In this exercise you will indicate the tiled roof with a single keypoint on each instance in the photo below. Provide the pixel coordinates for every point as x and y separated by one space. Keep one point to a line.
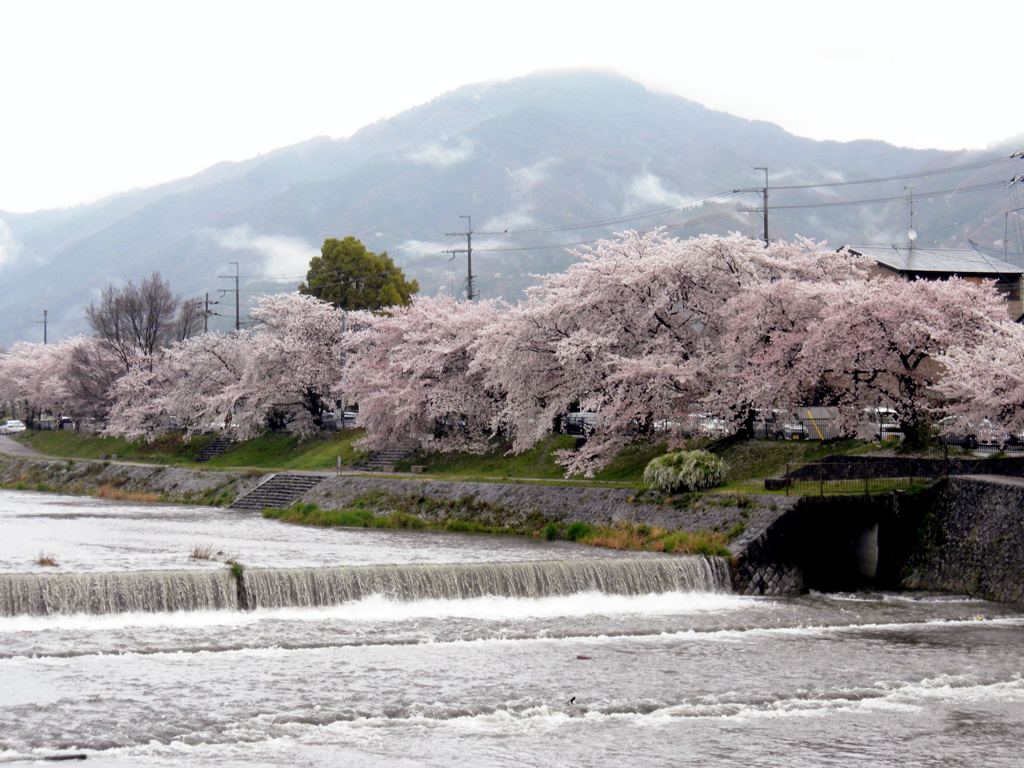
957 262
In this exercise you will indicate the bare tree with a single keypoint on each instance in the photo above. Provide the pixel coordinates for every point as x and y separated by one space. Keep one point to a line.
136 320
191 315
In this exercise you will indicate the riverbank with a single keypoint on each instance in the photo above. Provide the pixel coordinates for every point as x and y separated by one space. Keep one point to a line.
961 535
113 479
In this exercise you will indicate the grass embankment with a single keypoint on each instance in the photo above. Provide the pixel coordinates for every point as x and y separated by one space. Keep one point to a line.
749 461
622 536
269 451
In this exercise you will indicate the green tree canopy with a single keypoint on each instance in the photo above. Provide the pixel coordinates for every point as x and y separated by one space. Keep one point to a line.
351 277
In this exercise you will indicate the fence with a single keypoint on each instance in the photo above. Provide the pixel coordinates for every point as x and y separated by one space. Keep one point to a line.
881 474
818 479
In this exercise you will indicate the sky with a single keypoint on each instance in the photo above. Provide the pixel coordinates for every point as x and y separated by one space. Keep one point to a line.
102 97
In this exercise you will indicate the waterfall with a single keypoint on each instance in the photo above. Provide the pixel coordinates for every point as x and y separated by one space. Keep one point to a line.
120 592
153 591
305 587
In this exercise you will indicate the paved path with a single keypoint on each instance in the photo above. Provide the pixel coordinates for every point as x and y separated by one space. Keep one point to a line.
14 448
996 479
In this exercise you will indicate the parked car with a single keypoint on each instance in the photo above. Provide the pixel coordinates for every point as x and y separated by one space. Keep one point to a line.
952 432
580 422
879 424
792 428
11 427
1014 443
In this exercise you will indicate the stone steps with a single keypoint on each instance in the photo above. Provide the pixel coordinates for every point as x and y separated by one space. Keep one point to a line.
214 448
279 492
381 461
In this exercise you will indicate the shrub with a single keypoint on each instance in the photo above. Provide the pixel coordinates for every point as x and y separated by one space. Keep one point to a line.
578 530
550 532
685 471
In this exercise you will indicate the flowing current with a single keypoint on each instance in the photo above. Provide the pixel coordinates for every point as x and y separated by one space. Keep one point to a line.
418 649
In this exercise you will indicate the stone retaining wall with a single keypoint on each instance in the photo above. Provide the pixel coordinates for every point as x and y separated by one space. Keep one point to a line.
516 502
858 467
169 483
971 539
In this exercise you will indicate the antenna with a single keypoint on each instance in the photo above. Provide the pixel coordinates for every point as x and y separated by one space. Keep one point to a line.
912 234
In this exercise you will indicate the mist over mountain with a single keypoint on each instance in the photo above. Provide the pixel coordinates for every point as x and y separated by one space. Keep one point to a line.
540 163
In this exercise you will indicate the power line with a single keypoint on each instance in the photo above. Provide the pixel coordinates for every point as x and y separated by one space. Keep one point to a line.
904 176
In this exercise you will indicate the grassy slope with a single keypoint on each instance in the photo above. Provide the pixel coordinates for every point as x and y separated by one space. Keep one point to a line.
538 463
272 451
749 461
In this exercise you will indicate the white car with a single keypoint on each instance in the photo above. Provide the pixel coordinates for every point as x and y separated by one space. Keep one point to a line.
11 426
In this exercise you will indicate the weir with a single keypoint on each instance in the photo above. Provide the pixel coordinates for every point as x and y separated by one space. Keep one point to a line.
308 587
40 594
158 591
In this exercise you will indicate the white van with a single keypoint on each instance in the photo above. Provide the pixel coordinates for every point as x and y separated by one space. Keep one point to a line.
879 424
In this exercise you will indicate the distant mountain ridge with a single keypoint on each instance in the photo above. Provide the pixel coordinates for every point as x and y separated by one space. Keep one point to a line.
554 159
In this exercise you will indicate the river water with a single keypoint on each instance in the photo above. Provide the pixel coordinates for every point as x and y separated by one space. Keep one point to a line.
659 679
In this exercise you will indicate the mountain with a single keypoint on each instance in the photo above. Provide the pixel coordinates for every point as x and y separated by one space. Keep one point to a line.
548 160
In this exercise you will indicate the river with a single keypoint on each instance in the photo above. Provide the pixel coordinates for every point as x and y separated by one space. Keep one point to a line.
600 677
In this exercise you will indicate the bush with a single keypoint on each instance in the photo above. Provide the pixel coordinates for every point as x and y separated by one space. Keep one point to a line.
685 471
578 530
550 532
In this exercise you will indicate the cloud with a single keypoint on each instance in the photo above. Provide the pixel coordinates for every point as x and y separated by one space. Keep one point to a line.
647 190
441 156
10 250
529 176
509 220
283 258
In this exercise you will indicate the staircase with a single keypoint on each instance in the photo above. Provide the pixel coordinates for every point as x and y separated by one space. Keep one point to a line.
214 448
381 461
279 492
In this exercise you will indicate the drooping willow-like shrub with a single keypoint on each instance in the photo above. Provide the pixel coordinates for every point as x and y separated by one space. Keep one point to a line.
685 471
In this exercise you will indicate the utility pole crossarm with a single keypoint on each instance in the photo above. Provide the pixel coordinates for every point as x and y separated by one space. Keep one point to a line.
468 250
763 191
238 317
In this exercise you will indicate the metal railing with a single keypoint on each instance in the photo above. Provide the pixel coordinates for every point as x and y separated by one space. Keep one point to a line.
823 482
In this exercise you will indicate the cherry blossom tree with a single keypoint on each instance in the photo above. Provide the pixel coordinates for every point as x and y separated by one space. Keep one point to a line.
299 347
192 385
29 380
879 341
410 372
645 328
287 368
986 381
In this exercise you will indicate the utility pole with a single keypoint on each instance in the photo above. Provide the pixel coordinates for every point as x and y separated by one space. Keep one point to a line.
43 321
763 191
238 317
468 250
207 313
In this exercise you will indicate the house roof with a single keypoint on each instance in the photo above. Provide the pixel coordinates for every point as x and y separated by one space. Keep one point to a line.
950 262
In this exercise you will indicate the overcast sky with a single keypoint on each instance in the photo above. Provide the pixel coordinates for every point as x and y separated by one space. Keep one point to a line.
99 97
